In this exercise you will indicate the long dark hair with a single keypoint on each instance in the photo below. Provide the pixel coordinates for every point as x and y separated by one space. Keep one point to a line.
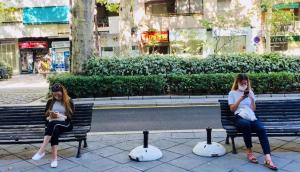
65 98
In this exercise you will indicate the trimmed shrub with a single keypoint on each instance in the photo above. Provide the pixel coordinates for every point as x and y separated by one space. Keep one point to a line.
98 86
198 84
7 67
167 65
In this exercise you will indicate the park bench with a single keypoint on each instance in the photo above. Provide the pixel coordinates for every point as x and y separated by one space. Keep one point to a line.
3 73
280 118
26 124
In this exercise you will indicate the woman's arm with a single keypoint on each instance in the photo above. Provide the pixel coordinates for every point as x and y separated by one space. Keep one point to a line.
253 105
233 107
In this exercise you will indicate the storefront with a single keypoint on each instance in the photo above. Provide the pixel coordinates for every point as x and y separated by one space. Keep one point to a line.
60 54
30 53
156 42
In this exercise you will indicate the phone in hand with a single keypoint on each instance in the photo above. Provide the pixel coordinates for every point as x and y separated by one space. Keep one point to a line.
246 93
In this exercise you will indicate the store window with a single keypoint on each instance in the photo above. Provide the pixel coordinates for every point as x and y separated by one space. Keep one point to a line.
229 44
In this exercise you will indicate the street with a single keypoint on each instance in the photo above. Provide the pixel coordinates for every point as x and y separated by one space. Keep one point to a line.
156 118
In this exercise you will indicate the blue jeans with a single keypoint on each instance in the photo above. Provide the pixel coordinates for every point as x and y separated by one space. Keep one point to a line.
247 127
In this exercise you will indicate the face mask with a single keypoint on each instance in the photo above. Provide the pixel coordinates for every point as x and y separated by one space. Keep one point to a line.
242 88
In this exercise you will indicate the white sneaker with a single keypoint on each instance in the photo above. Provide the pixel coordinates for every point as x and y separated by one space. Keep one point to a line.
38 156
53 164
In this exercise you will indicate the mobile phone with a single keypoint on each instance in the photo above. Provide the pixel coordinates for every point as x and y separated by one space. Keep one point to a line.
246 93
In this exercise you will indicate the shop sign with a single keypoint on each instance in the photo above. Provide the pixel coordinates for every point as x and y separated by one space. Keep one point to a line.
60 44
157 37
33 44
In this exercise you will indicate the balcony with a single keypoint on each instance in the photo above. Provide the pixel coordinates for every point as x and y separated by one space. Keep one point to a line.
110 25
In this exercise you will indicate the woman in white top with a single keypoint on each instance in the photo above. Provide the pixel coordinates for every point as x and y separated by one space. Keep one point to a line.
58 111
241 101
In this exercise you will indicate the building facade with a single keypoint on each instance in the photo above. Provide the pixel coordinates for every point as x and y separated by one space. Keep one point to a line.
33 30
176 26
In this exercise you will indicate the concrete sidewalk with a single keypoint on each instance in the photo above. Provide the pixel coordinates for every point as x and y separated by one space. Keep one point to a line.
109 152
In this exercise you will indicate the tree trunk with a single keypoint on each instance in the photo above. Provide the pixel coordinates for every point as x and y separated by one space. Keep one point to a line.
125 27
268 29
82 33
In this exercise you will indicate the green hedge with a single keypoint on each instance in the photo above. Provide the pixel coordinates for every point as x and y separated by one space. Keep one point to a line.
7 67
165 65
199 84
97 86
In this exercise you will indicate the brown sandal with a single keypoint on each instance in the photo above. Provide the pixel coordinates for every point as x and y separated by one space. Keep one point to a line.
252 158
270 165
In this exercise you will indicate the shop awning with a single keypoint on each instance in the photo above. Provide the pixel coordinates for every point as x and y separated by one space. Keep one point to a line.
46 15
286 6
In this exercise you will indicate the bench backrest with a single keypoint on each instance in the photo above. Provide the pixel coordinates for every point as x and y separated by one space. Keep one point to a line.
273 113
33 116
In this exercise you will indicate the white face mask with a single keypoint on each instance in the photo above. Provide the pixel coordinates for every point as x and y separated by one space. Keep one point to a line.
242 88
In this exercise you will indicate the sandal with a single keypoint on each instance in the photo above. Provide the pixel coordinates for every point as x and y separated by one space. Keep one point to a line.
252 158
270 165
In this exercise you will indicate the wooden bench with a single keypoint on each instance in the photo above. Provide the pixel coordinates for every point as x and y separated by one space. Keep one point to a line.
280 118
26 124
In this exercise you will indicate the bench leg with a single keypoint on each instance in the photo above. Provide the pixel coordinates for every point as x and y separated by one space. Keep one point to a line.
84 143
79 147
227 140
233 145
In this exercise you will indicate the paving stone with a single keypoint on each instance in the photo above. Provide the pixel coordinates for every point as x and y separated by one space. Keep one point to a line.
20 148
10 159
3 153
164 144
94 146
18 166
183 135
210 167
229 161
166 168
186 162
85 158
129 145
107 151
120 157
122 168
291 146
35 169
62 165
78 169
181 149
70 152
292 167
169 156
101 164
143 166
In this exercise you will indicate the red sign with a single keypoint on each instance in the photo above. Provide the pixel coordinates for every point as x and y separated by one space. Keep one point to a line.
155 37
33 44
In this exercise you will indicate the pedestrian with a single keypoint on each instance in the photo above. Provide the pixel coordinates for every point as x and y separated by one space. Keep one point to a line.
58 113
241 100
44 67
